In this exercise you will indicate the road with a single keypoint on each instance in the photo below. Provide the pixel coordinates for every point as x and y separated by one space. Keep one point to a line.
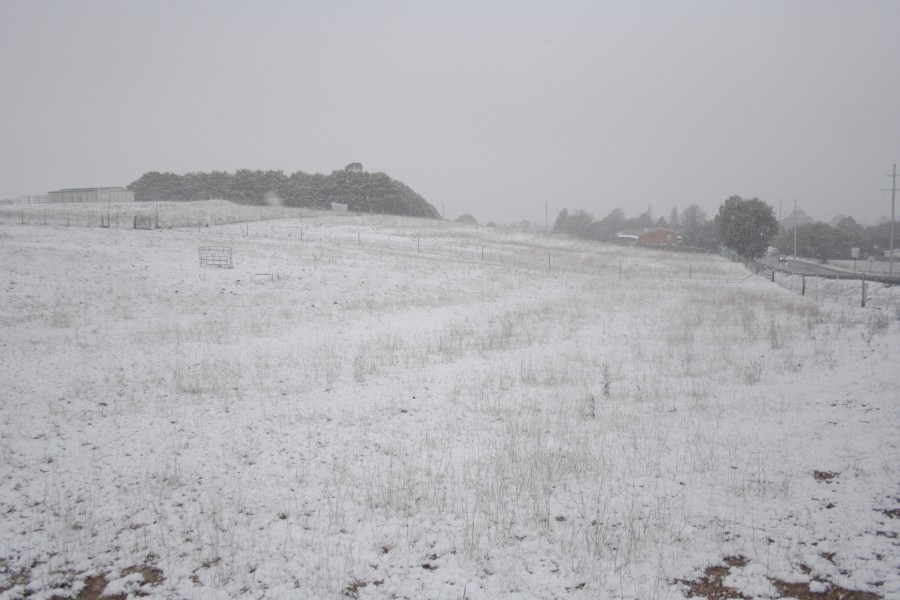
802 267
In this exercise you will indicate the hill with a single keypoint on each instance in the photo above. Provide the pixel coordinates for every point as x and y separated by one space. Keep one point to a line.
361 191
393 407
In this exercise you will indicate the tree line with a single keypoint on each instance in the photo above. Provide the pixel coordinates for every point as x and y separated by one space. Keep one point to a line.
359 190
745 225
827 241
696 230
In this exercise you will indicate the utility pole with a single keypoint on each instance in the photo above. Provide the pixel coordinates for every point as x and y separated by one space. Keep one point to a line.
893 202
795 228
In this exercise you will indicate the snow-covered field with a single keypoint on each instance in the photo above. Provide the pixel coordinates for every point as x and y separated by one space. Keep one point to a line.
365 407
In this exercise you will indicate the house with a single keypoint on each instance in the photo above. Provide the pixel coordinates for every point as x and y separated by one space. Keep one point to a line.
659 237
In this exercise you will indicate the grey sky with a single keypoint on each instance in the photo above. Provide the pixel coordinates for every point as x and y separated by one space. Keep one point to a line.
488 108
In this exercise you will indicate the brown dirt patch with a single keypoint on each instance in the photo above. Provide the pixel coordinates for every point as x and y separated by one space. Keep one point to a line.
801 591
94 585
711 585
825 476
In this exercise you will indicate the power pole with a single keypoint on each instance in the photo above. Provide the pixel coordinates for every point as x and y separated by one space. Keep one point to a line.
795 228
893 202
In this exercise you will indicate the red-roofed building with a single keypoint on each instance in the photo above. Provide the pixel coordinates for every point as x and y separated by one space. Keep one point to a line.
659 237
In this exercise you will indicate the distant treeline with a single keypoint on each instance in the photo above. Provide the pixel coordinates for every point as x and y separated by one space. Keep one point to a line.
359 190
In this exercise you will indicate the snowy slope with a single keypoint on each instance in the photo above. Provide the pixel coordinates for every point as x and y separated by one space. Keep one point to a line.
364 407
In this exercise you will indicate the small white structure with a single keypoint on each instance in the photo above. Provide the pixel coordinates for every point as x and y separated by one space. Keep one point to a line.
108 194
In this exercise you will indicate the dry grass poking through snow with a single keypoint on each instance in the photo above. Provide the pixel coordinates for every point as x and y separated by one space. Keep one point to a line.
373 411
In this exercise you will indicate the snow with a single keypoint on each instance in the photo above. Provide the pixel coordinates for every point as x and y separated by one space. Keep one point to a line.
373 410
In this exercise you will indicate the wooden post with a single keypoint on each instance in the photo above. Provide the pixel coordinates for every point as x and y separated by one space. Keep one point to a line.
690 271
863 290
803 286
418 246
482 254
773 275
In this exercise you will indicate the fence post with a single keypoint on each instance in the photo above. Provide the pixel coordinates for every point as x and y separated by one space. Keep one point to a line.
803 286
863 290
773 274
482 254
690 271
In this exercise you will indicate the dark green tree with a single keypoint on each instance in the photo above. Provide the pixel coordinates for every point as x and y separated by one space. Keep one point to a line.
606 228
644 220
577 223
362 191
878 237
674 221
692 223
746 226
560 225
816 240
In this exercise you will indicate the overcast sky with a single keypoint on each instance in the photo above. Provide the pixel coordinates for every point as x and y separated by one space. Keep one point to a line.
488 108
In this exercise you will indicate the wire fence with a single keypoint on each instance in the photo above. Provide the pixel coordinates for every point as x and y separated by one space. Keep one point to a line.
162 215
517 249
550 253
230 220
851 289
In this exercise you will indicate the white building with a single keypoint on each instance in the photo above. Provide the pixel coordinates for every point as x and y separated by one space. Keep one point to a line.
108 194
